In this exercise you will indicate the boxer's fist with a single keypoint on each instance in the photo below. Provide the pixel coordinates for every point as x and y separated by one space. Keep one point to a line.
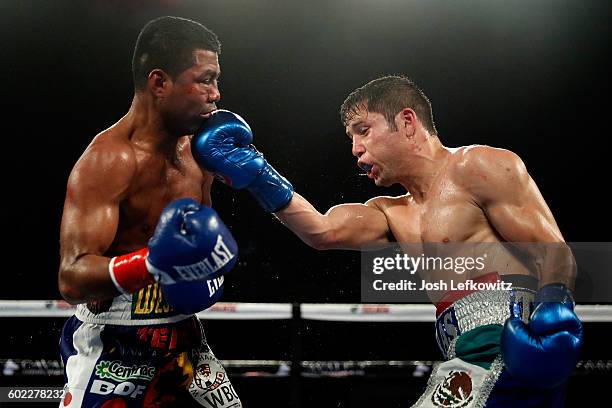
190 252
190 243
223 146
545 351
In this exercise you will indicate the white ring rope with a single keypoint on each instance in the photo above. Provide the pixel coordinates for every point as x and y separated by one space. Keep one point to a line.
340 312
345 312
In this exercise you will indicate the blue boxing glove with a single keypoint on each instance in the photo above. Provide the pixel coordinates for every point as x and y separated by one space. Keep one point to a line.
544 352
190 252
223 146
193 297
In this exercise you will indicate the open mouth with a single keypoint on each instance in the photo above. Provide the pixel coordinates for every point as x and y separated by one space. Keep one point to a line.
366 167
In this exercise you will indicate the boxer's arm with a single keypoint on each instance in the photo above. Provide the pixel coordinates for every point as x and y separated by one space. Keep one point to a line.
206 187
516 209
97 184
223 146
544 351
345 226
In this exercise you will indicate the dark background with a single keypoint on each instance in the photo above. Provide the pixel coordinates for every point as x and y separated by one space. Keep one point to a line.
532 77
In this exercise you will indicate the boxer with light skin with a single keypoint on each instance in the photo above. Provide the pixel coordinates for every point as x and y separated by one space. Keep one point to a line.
141 249
472 194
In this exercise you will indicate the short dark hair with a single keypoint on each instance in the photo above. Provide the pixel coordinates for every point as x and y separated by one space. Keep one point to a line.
388 95
168 43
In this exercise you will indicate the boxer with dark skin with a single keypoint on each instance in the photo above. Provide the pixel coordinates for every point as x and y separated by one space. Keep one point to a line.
472 195
130 172
141 249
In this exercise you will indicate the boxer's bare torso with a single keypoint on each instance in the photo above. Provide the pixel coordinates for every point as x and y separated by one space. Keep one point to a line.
116 193
453 213
158 179
450 212
453 210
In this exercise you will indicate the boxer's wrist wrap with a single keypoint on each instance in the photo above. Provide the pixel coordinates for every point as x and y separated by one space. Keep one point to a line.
129 272
272 191
555 292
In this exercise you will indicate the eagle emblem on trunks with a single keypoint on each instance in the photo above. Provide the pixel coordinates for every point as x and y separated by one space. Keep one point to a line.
455 391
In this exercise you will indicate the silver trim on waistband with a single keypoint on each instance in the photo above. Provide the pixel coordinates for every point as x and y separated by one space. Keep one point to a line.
479 309
482 308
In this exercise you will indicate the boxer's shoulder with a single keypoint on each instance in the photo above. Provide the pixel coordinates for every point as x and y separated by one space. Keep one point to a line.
480 165
384 203
108 158
112 143
481 157
487 174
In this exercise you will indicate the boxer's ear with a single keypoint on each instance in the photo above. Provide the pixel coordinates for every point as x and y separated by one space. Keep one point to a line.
159 83
407 119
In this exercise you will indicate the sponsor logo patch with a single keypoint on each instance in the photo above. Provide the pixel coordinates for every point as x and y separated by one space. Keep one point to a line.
124 388
211 386
149 303
114 370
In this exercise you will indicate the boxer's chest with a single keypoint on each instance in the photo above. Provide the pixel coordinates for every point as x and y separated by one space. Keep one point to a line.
448 215
156 184
451 215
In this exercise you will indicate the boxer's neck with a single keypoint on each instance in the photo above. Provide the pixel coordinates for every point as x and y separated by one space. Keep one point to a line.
423 166
147 126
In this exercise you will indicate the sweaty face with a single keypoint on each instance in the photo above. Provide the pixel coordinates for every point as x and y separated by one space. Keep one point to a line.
194 94
374 145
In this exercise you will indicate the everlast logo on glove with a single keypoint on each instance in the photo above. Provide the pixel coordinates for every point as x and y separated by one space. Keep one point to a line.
219 257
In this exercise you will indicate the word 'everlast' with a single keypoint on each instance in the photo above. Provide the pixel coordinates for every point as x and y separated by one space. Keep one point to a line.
217 259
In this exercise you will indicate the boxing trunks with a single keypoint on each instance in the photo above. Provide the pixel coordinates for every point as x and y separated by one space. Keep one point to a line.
468 331
134 351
